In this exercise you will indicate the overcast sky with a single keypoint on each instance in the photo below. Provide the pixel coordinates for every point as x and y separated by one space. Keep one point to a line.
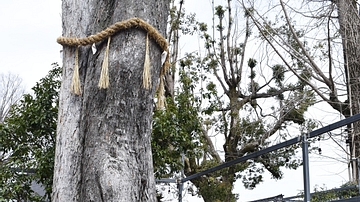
29 29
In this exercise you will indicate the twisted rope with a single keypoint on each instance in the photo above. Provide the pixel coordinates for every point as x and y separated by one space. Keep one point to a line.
110 31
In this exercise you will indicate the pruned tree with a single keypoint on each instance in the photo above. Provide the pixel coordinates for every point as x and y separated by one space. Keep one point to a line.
321 49
11 90
233 88
103 148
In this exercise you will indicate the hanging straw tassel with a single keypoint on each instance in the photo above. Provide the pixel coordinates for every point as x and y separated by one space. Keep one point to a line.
161 103
146 73
75 84
104 76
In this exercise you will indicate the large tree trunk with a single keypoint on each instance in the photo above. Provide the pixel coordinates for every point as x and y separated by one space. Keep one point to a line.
349 21
103 137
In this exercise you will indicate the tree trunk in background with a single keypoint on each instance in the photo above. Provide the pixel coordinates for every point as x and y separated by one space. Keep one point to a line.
103 137
349 21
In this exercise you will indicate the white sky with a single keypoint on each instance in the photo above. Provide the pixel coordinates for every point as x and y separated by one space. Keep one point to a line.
28 38
28 35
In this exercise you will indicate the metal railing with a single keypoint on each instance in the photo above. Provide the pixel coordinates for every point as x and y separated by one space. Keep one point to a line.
305 155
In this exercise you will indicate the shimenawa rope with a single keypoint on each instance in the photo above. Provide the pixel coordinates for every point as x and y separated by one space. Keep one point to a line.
107 33
104 75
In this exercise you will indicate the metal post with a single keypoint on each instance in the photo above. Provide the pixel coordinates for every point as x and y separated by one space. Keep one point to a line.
180 187
358 167
180 183
305 153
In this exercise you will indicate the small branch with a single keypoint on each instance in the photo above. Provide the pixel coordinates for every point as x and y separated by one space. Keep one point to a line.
211 148
229 51
238 79
329 50
305 52
222 52
271 94
218 77
283 59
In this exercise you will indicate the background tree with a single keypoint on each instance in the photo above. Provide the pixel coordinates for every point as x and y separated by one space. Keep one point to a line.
322 194
310 38
103 148
349 28
27 140
176 128
11 90
228 102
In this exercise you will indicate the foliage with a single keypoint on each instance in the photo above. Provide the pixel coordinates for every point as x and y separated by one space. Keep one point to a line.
230 107
322 194
215 190
27 140
176 129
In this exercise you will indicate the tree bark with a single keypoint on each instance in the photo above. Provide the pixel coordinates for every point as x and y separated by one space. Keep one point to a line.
349 21
103 136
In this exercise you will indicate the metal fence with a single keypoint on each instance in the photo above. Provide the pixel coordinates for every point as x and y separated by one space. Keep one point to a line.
305 155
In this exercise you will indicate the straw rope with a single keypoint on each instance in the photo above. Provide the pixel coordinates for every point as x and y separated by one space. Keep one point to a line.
104 75
75 85
110 31
146 72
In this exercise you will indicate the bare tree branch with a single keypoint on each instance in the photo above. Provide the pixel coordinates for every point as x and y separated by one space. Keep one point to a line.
310 59
211 148
11 90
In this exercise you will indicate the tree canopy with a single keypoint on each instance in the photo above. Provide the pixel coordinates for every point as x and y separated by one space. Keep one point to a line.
27 140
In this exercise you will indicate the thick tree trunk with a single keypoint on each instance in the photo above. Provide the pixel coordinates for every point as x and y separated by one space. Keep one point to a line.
103 137
349 21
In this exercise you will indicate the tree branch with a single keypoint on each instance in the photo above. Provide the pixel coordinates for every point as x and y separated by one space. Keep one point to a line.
305 52
211 148
238 79
282 57
229 51
222 52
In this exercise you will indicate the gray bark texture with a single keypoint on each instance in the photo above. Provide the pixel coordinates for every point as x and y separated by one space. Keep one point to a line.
349 21
103 150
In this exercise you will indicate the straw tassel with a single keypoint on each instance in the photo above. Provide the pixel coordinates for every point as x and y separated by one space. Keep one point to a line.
161 103
146 73
104 76
75 84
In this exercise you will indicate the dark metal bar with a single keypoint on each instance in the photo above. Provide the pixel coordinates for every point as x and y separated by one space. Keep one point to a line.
319 192
353 199
274 199
358 167
25 171
180 186
276 147
305 155
165 180
243 158
334 126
